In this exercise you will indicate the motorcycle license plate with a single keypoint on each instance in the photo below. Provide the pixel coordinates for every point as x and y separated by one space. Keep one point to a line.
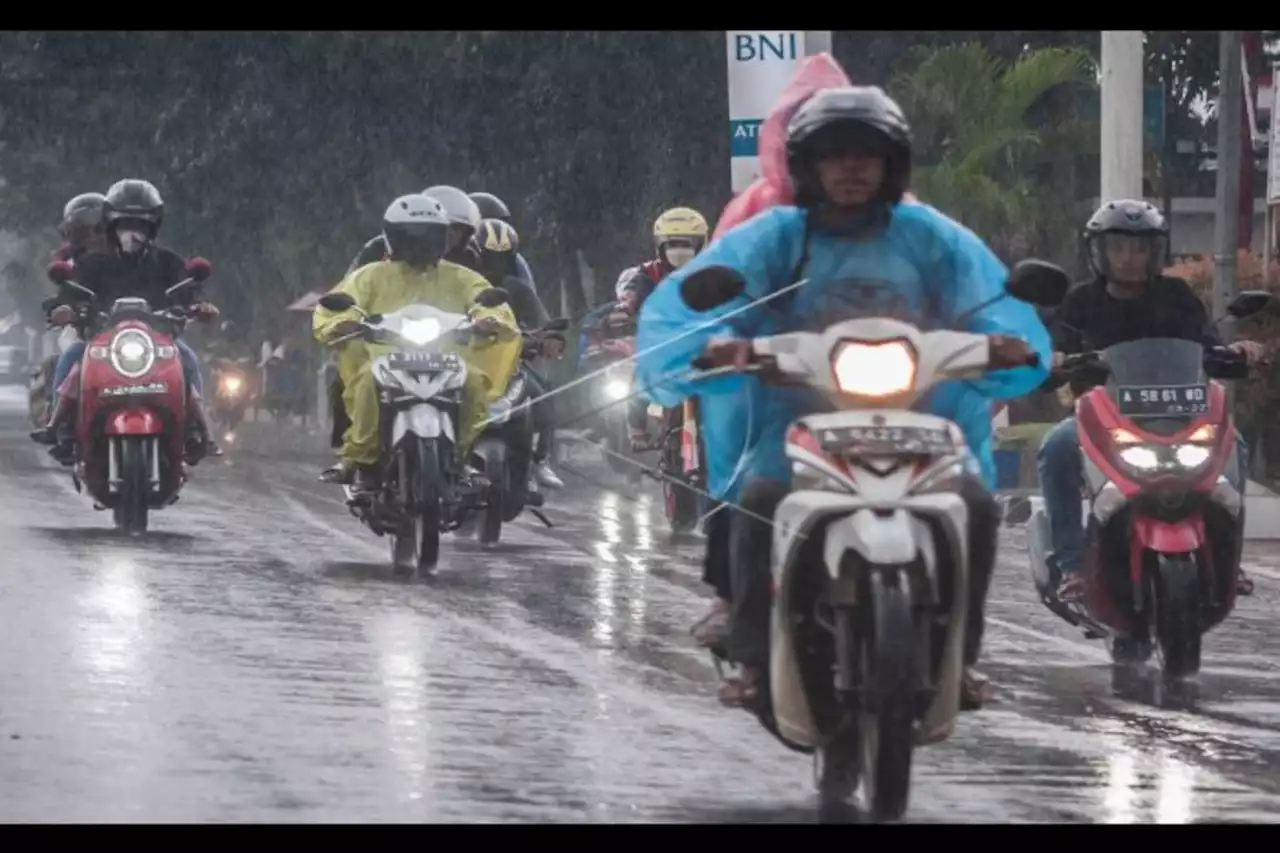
886 441
424 362
1162 401
655 410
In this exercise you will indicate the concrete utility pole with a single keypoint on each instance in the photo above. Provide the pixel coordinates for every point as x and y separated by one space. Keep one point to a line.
1226 218
1122 75
817 41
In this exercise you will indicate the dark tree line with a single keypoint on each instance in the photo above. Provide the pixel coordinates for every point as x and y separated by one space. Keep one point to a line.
277 152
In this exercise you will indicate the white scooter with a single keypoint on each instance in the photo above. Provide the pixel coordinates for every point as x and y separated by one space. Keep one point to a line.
870 549
420 388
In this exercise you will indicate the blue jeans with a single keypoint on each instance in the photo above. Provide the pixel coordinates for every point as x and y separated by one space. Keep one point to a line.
71 357
1061 468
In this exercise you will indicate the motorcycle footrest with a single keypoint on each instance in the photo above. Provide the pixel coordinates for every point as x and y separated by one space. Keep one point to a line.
1091 634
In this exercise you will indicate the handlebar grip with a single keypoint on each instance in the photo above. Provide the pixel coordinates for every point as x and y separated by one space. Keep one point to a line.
703 362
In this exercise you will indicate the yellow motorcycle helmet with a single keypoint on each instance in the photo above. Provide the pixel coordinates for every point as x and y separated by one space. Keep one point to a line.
679 234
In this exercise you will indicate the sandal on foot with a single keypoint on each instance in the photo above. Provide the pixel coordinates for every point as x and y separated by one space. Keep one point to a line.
711 629
975 690
741 692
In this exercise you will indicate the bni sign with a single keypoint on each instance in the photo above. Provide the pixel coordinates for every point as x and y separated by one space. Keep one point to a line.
761 64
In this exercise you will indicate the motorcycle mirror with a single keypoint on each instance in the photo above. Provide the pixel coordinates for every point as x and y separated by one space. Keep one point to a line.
1038 282
337 301
1249 302
493 297
711 287
560 324
60 272
199 269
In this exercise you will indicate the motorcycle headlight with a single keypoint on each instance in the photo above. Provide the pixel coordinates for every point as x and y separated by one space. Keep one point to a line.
616 389
1141 458
880 369
231 384
132 353
1191 455
424 330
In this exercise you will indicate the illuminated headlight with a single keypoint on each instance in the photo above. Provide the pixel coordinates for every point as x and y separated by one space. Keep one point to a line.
1142 458
420 331
875 370
1191 455
231 384
132 353
616 389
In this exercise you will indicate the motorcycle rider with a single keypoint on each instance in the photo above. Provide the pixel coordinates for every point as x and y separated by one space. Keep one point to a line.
415 228
135 266
464 221
492 207
499 250
864 251
82 228
678 235
1127 299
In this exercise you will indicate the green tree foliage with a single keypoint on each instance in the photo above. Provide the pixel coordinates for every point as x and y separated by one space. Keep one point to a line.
980 139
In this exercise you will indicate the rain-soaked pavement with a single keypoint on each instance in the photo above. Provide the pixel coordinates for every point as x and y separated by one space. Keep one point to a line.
252 660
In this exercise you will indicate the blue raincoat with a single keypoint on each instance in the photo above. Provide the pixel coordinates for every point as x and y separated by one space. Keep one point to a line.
925 269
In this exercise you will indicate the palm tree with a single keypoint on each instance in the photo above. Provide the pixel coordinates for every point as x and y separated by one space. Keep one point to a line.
981 139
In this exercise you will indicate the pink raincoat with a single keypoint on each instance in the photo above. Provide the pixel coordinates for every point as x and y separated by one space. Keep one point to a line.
774 185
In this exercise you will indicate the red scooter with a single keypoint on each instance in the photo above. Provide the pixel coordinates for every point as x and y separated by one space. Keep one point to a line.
1165 520
131 404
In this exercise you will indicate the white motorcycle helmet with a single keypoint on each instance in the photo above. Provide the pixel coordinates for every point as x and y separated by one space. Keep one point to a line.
416 230
463 213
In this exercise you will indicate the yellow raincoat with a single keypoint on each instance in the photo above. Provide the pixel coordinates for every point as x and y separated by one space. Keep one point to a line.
386 286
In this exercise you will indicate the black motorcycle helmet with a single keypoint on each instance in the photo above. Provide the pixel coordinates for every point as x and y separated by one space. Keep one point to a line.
1132 218
844 118
133 201
82 214
492 207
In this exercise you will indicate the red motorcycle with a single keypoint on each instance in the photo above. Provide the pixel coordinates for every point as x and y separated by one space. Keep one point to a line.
131 404
1165 522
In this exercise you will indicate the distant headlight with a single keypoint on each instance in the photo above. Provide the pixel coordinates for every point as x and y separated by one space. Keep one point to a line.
617 389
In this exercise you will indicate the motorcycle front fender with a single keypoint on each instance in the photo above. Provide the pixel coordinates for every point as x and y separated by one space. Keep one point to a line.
423 420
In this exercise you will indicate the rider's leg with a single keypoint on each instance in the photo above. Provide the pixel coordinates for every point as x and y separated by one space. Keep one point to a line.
361 445
750 567
473 410
638 422
1244 585
58 429
202 442
712 628
1061 480
543 414
984 533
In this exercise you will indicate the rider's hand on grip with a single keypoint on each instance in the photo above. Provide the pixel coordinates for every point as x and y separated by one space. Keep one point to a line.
1008 351
347 328
733 352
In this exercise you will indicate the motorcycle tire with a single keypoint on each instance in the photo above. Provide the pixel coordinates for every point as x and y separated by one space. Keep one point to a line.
495 470
1177 617
131 512
416 546
886 729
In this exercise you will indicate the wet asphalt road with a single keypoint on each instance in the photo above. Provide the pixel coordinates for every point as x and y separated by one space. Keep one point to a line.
252 660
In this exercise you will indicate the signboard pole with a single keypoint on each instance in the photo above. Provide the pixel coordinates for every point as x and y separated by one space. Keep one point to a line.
761 64
1273 169
1122 114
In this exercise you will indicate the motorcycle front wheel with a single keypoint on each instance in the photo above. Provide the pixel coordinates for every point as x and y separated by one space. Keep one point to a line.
131 512
416 545
886 726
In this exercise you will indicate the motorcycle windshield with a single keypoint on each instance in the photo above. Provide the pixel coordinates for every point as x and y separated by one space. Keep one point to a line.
1158 380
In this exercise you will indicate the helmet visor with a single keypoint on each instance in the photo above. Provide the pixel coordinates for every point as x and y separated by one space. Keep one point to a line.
1128 258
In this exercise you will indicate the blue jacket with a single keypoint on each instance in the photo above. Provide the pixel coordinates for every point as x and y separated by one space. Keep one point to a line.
925 268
